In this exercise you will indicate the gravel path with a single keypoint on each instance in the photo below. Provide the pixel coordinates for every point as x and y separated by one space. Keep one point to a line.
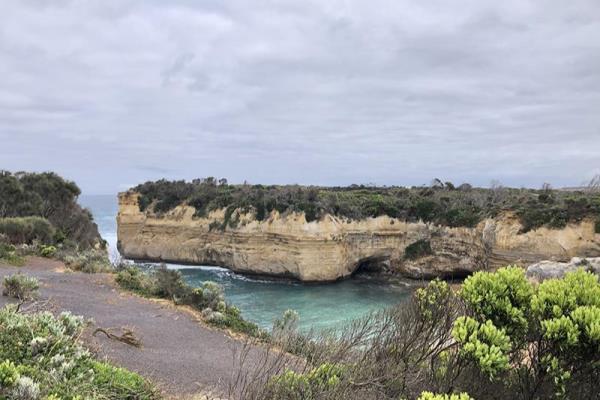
180 354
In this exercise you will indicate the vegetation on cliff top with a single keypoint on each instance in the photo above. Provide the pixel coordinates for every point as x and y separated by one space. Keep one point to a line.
43 207
440 203
498 337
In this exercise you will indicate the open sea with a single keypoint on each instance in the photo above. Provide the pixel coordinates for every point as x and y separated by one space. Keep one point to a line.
319 306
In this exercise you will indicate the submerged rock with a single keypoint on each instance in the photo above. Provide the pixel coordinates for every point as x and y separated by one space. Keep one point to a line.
555 270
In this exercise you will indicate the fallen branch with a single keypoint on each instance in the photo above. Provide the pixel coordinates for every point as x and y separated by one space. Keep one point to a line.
128 337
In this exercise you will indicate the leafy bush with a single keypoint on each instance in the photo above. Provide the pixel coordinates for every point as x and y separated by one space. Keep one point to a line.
43 359
8 254
418 249
88 261
132 278
26 229
315 384
502 297
47 251
21 287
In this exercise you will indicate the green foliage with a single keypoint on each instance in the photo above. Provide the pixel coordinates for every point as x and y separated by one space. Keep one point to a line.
8 254
50 197
483 343
43 359
89 261
8 374
26 229
47 251
502 297
132 278
418 249
315 383
554 327
432 396
123 383
441 203
597 225
432 298
21 287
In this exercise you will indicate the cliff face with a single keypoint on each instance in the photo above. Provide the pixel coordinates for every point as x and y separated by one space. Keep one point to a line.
334 248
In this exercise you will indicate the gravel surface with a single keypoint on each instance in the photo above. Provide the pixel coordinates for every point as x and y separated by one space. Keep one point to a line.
180 354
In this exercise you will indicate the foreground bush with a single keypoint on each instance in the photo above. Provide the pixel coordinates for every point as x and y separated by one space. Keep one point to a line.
169 284
88 261
21 287
499 337
42 359
9 255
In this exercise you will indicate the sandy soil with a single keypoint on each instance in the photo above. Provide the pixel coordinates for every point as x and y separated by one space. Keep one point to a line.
180 354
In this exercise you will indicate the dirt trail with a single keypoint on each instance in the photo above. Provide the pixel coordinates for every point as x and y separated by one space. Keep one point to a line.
178 353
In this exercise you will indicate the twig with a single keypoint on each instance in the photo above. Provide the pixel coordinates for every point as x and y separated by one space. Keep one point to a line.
128 337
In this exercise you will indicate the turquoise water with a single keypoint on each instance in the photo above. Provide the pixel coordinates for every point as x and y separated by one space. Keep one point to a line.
263 300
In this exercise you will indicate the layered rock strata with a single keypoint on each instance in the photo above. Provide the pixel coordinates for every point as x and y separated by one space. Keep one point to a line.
334 248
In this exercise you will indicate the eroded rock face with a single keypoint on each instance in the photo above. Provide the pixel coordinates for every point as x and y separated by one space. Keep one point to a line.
333 248
555 270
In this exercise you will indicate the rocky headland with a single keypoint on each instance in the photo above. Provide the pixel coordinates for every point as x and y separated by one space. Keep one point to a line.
331 248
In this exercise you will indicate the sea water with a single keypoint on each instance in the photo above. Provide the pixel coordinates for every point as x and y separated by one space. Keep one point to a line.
263 300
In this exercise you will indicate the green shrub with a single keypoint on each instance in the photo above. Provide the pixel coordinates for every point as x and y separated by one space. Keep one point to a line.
88 261
44 360
21 287
597 225
26 230
312 385
169 284
132 278
47 251
483 343
502 297
8 374
8 254
418 249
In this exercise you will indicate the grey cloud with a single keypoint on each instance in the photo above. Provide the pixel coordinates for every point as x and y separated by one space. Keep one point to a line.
392 92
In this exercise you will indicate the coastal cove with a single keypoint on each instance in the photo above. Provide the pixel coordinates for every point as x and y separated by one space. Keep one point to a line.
261 300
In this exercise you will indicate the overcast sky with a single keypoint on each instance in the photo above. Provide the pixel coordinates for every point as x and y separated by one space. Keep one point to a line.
114 93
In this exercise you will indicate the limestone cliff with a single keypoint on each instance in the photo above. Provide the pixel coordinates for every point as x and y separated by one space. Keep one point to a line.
334 248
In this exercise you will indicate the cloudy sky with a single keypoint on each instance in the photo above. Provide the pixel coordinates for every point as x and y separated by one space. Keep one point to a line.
113 93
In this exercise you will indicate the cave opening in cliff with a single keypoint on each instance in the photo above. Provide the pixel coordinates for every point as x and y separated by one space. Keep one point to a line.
372 265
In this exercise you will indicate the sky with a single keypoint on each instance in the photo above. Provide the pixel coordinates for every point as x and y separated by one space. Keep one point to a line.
111 93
